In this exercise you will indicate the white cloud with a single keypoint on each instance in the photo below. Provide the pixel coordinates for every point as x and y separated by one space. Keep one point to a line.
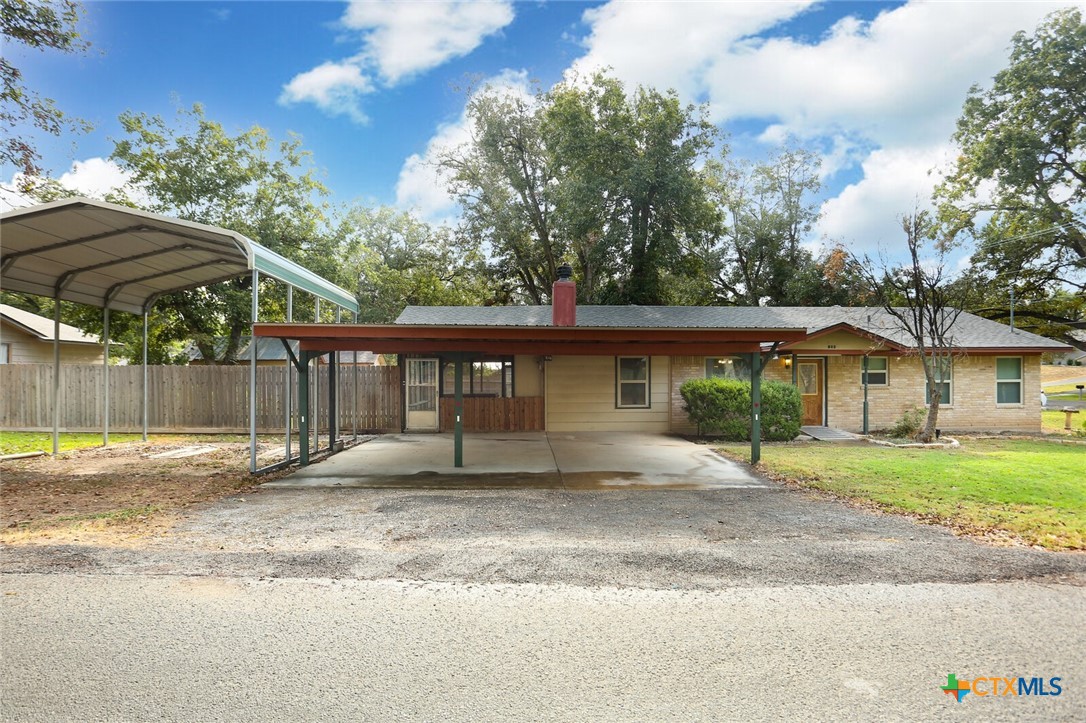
864 216
335 88
93 178
399 41
403 39
420 186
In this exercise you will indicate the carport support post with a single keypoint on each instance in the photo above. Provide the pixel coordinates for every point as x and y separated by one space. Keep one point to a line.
458 412
105 375
252 372
755 408
333 394
143 408
354 382
288 391
56 374
865 393
303 408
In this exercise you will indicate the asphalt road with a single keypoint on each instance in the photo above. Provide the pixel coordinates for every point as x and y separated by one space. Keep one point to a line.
392 604
199 649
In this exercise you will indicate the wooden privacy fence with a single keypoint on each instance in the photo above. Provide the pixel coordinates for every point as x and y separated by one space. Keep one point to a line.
188 398
495 414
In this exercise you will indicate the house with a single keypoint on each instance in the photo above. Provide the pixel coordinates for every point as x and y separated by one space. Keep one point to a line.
271 353
1073 357
994 381
569 368
27 338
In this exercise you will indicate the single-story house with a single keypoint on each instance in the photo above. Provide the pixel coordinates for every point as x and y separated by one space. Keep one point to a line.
1073 356
613 368
27 338
994 382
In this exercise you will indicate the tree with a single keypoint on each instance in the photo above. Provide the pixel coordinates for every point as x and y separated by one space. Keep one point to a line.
629 187
39 25
767 213
1019 184
504 181
924 301
245 182
397 260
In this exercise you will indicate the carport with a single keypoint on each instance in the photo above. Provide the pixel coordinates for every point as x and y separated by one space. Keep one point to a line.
458 342
119 258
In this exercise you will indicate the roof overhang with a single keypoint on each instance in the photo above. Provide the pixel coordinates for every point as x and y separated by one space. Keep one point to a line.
102 254
538 340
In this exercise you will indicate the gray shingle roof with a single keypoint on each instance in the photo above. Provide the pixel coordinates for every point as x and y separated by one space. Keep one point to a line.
42 327
970 331
269 349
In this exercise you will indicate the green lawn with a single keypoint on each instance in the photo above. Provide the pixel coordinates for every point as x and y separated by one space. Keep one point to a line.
1053 421
1032 489
16 442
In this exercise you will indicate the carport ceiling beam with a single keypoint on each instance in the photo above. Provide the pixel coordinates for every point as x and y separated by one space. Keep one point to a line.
540 348
9 259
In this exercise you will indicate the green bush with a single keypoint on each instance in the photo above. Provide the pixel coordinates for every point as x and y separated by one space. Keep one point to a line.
909 424
722 406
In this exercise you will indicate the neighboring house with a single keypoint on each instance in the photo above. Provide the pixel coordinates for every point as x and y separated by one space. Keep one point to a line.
1075 356
270 352
994 381
27 338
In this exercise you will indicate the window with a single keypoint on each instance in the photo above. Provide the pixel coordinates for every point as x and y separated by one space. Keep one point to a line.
1009 380
878 371
489 377
944 369
5 353
731 367
632 376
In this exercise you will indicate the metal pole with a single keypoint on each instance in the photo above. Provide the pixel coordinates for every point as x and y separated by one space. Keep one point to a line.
143 408
303 408
56 376
334 359
252 372
1012 307
865 391
333 410
317 386
755 408
105 376
354 392
458 412
288 391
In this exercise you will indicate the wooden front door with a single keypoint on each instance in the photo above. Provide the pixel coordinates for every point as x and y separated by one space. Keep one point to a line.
812 390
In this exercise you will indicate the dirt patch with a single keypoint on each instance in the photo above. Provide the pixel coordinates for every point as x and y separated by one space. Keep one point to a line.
115 493
1053 373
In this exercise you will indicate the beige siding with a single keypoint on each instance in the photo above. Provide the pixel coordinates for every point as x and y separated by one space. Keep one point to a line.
581 397
528 377
27 349
973 406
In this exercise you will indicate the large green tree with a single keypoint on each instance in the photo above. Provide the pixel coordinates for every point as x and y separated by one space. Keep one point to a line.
630 188
38 25
1019 183
767 213
504 181
398 260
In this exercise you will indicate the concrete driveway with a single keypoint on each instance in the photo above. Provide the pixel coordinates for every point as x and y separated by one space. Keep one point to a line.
583 460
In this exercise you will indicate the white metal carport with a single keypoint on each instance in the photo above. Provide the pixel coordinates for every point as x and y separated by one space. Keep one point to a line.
119 258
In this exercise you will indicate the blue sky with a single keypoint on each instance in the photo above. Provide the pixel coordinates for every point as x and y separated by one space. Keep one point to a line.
373 87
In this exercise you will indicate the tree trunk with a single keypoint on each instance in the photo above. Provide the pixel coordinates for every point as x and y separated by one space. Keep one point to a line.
927 434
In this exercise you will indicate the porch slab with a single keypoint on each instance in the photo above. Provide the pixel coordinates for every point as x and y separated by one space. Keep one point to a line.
587 460
828 434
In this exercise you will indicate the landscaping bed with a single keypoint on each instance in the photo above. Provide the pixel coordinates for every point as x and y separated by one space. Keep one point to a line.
1030 491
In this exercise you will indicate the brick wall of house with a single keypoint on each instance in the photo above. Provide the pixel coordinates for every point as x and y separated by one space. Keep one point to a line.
973 405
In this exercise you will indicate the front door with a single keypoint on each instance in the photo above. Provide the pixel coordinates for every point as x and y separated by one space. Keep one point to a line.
812 390
421 395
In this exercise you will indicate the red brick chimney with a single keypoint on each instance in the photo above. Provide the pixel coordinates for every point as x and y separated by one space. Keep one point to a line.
564 298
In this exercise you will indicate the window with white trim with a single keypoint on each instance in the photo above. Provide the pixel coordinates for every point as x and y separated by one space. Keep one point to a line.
878 371
632 382
1009 380
5 353
946 367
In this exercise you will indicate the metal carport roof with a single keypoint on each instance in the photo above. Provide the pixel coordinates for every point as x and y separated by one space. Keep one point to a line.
94 253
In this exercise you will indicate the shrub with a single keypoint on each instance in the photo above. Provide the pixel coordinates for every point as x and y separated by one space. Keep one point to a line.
723 406
909 424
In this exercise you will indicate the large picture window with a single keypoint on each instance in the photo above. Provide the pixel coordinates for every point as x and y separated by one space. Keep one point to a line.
727 367
878 372
632 380
1009 380
946 366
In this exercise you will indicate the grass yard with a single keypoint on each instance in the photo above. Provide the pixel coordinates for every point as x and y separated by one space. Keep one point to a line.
1034 490
1053 421
19 442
